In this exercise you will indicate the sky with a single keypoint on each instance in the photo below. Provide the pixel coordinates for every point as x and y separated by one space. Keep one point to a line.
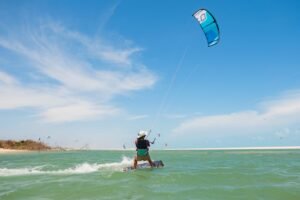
92 74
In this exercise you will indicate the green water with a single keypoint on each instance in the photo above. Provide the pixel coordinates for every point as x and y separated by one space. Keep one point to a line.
239 174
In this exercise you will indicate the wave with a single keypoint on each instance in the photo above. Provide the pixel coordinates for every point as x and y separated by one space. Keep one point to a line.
82 168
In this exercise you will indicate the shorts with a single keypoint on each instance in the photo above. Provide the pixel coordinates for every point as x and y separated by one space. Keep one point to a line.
140 158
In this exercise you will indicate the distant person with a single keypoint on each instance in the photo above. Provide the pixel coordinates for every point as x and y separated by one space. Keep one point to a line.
142 149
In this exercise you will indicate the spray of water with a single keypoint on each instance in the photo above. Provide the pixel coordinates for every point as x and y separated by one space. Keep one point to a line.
81 168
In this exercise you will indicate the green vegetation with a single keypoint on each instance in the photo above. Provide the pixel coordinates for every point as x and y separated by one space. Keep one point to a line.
24 145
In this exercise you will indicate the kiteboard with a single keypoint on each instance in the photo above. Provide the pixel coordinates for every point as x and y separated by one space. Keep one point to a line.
145 165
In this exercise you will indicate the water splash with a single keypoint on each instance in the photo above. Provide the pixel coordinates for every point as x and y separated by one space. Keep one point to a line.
82 168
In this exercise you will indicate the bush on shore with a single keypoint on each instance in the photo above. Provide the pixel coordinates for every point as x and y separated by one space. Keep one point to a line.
23 145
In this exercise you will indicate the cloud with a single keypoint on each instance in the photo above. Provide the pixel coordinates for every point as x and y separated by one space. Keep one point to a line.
97 47
175 116
69 76
137 117
77 111
271 115
7 79
15 96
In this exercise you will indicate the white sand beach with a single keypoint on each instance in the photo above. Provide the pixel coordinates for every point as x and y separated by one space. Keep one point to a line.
7 151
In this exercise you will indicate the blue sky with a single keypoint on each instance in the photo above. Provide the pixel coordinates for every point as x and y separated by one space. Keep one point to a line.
96 72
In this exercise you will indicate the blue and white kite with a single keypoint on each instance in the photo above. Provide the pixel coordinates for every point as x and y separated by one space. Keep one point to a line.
209 26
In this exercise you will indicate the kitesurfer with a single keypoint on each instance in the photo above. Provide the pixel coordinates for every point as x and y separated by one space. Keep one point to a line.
142 149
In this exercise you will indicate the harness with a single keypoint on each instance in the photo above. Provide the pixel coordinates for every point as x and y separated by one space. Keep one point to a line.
142 152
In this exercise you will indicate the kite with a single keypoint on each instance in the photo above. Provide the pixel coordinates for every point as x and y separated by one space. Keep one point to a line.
209 26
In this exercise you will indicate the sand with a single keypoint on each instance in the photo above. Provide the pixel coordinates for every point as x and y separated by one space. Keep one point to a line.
7 151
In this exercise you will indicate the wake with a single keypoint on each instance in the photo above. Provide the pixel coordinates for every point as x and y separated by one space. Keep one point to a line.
83 168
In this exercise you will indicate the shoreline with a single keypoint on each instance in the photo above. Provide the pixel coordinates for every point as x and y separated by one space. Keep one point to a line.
9 151
14 151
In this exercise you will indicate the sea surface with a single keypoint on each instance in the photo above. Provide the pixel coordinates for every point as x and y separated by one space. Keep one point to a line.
197 174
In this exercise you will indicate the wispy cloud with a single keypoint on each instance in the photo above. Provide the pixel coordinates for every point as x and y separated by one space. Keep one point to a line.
271 115
137 117
71 84
77 111
175 116
97 47
7 79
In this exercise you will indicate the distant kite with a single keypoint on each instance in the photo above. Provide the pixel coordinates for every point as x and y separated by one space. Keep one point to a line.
209 26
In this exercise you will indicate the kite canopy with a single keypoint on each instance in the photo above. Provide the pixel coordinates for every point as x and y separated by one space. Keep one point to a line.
209 26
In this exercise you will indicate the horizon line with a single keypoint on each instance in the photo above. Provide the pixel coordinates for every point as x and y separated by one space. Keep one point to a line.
217 148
